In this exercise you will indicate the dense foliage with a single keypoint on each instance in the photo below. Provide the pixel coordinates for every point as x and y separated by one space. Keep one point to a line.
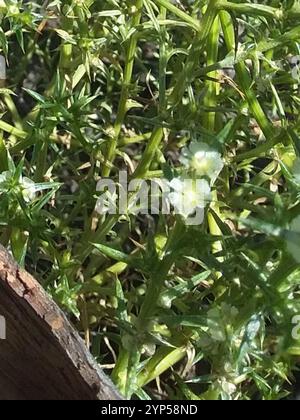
153 87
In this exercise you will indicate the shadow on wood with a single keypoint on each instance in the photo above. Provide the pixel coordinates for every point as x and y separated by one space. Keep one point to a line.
43 357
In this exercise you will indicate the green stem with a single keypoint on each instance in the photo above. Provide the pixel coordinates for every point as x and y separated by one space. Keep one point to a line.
122 109
149 153
158 278
209 118
162 361
180 14
14 112
119 374
13 130
163 63
96 237
244 79
181 84
192 61
251 9
41 161
210 99
65 59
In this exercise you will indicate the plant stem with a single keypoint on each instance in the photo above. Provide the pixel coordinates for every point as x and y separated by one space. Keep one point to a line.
119 374
122 109
195 52
244 79
180 14
163 360
251 9
12 130
181 84
158 277
149 153
209 118
163 63
210 99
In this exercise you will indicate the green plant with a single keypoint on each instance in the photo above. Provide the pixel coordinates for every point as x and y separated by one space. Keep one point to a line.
200 89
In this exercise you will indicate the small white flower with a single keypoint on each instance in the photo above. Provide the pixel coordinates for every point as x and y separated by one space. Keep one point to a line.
107 203
293 239
203 159
4 178
149 349
28 189
229 312
220 321
26 185
218 334
215 325
189 195
228 387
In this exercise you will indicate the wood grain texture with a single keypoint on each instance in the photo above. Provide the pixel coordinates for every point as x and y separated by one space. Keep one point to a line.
43 357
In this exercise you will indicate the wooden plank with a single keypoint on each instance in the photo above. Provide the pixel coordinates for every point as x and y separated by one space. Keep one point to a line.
42 357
